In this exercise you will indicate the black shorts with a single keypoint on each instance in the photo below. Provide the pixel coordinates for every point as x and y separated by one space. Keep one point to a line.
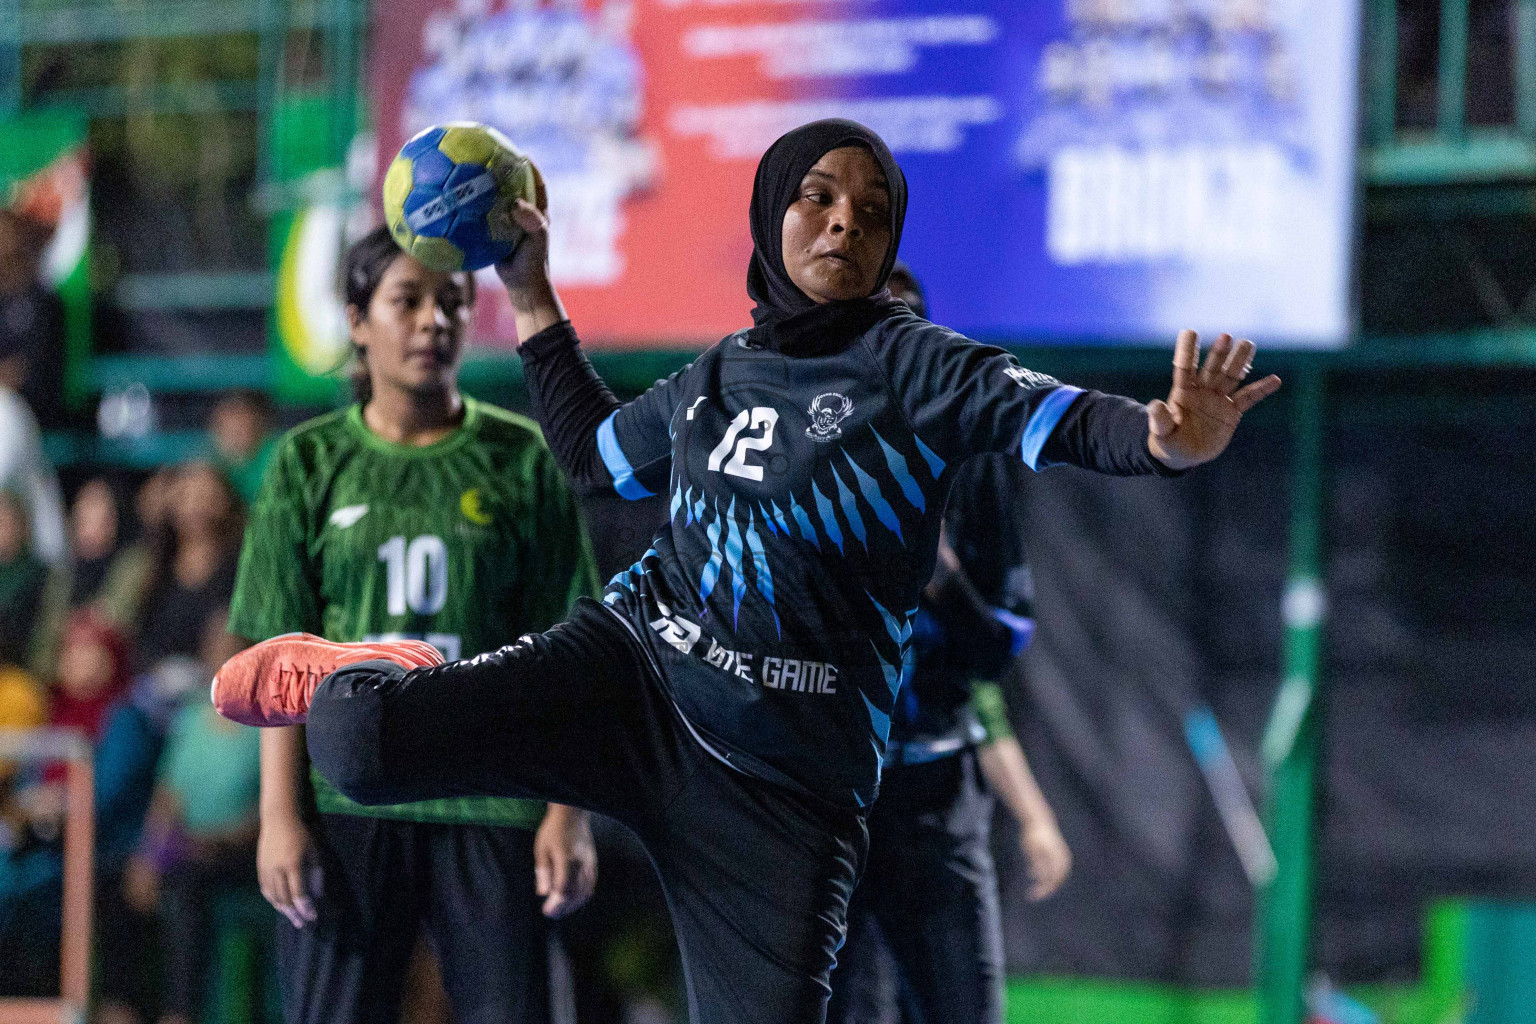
929 901
472 887
757 877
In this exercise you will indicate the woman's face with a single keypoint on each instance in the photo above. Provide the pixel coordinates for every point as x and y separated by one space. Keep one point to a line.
95 520
413 329
201 502
838 229
154 499
85 666
238 428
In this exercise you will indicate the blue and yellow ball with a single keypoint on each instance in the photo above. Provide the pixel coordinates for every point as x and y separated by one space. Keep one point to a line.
449 196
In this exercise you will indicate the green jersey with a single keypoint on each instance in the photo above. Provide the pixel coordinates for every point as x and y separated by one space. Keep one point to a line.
467 543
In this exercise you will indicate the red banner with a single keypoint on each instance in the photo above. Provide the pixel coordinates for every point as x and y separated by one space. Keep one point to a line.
648 197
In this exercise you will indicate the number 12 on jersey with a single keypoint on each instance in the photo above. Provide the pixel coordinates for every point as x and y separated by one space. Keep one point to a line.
762 418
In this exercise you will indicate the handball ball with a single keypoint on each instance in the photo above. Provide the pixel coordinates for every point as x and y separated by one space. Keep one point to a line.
449 196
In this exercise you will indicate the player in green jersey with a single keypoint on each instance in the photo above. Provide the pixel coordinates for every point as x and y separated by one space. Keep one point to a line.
416 512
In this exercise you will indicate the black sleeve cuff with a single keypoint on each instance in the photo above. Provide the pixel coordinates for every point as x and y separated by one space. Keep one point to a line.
1107 434
548 341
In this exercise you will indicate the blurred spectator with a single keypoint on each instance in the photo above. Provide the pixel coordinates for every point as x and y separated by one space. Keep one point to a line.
127 754
94 543
31 869
31 320
153 505
200 834
22 578
93 673
154 540
197 570
104 574
22 706
243 439
26 473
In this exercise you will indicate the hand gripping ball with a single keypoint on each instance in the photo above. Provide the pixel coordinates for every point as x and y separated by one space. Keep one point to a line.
449 196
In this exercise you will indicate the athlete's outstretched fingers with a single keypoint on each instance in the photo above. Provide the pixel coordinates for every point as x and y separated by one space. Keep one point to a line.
1254 393
1160 419
1215 360
1239 363
1186 358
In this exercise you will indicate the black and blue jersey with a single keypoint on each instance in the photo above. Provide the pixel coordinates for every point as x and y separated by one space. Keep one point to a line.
806 494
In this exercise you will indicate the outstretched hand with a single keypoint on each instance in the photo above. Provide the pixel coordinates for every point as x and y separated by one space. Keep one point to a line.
1196 422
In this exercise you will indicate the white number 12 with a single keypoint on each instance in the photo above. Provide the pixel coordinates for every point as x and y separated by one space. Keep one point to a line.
760 418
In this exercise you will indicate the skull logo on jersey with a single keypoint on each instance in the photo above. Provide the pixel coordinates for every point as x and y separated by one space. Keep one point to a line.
826 412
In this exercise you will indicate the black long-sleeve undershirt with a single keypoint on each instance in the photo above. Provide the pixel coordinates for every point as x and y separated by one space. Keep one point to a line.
570 401
1107 434
1104 433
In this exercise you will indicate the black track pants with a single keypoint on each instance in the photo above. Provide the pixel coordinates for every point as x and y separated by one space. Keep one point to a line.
929 896
471 886
757 877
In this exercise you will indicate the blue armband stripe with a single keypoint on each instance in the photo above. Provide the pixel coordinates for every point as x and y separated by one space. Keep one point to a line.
1047 414
618 466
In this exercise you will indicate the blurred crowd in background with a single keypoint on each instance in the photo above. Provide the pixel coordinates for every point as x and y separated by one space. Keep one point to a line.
114 594
116 635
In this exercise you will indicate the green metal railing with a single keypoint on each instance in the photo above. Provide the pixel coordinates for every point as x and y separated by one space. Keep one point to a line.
1452 151
36 26
1282 945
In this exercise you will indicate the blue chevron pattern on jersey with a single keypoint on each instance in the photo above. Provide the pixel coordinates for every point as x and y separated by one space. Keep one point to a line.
879 721
872 494
899 630
763 574
891 670
778 516
803 520
711 571
935 463
850 509
828 517
815 483
904 479
733 547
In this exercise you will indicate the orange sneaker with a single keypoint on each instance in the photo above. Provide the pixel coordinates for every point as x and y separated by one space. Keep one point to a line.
272 682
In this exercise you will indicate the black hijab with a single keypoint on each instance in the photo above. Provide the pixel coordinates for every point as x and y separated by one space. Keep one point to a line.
785 318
